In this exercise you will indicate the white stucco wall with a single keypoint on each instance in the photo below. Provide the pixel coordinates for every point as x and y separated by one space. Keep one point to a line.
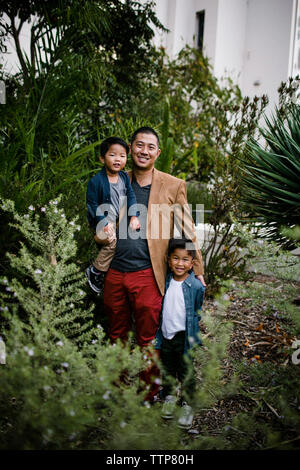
179 17
230 39
250 40
294 61
267 49
162 13
210 26
184 24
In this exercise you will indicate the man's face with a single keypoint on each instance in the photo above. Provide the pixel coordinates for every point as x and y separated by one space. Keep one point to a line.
144 151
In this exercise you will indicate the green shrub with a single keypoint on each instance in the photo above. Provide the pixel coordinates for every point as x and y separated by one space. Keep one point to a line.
64 386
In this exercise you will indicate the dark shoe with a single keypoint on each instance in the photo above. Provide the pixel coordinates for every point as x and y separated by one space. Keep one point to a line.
95 279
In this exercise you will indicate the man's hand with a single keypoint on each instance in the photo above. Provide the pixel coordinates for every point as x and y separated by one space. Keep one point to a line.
201 279
134 223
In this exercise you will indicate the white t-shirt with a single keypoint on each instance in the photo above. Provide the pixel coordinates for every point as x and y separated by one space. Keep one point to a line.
174 314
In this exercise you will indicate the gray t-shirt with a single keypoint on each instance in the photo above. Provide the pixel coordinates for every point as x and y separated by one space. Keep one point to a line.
132 253
117 190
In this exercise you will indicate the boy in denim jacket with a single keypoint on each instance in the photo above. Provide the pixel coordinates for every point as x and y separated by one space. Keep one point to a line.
179 328
105 195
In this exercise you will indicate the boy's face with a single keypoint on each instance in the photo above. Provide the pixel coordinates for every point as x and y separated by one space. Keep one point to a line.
180 262
114 159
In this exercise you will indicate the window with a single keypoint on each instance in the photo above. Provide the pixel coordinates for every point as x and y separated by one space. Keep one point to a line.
200 29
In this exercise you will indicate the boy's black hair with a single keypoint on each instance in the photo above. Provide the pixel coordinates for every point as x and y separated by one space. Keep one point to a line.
183 243
107 143
144 130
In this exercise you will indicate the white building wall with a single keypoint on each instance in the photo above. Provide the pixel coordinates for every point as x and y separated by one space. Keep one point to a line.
210 26
178 16
160 38
230 39
249 40
294 62
267 49
184 24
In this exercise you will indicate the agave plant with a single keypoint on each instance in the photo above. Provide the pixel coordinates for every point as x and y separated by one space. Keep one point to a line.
271 175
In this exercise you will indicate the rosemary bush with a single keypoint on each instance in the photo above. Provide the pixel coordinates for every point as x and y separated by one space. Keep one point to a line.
64 386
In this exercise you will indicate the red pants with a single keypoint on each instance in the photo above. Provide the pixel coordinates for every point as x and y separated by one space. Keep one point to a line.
133 294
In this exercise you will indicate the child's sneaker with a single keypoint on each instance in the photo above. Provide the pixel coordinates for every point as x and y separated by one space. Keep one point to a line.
186 416
95 279
168 408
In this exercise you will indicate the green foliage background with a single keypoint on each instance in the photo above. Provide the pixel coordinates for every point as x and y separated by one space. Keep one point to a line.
86 79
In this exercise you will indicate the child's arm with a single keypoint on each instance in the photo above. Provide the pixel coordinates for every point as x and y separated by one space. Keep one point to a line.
92 203
199 298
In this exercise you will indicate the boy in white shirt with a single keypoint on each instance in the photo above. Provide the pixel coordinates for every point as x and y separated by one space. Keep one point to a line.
179 328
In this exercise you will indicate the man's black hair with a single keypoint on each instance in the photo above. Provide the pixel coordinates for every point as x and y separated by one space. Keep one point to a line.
183 243
107 143
144 130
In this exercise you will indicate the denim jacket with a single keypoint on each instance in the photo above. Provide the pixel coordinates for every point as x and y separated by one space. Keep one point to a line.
193 294
98 192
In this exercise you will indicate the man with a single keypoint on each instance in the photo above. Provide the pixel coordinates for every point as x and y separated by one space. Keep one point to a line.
135 282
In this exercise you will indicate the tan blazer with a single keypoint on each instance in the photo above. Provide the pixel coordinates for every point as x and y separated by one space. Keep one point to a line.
168 202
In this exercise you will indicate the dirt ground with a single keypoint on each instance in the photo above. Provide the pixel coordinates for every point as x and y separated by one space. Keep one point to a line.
256 337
